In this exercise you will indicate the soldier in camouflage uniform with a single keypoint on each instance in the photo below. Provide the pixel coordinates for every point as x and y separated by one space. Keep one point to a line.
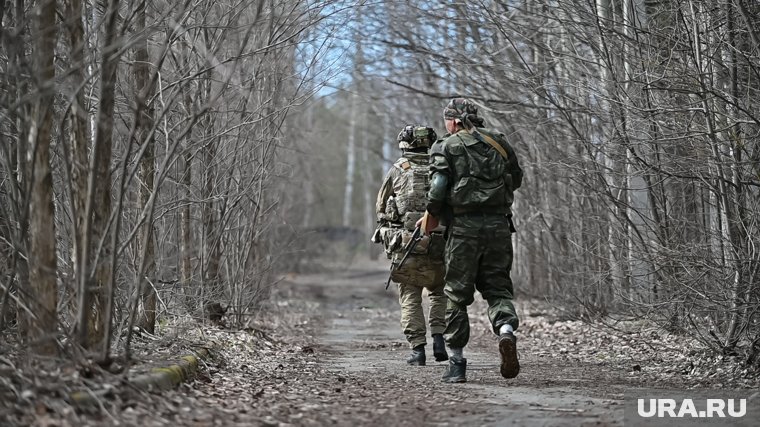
400 203
473 174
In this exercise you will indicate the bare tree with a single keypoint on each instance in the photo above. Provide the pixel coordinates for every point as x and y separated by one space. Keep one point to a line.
144 84
635 124
42 295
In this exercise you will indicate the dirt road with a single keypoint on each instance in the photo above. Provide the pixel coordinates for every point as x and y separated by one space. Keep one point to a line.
364 344
332 353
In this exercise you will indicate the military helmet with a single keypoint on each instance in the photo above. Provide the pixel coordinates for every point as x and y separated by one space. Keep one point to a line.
416 136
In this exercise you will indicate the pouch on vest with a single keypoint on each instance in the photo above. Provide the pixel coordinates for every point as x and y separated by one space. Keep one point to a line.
391 238
432 246
421 268
422 245
391 210
410 220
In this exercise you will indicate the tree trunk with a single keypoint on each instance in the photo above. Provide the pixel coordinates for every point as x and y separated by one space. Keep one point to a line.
388 146
603 297
143 135
309 187
186 265
21 171
369 206
98 206
78 137
42 297
186 245
210 235
348 194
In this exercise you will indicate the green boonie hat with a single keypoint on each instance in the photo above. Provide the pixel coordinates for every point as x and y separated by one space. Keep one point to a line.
458 108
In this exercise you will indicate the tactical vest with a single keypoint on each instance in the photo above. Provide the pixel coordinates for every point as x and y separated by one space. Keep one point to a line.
411 187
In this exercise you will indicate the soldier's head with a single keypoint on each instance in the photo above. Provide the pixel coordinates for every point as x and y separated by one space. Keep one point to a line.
416 138
461 113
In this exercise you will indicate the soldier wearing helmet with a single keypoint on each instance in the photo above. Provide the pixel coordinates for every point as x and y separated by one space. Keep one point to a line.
473 175
400 203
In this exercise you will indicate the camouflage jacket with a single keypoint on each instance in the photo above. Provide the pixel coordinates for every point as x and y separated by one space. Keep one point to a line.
478 177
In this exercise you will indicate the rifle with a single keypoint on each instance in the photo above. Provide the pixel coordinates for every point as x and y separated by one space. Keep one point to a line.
408 249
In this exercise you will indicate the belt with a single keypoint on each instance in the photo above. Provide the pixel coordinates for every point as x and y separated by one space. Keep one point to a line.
477 211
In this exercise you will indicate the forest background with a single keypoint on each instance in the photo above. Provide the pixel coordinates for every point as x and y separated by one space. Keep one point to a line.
169 160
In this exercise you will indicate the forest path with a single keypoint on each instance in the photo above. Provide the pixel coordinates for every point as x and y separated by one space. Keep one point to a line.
329 351
363 342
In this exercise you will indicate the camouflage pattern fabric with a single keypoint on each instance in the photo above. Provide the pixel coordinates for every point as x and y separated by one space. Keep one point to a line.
400 203
419 270
415 136
458 107
478 257
406 184
425 265
477 174
478 198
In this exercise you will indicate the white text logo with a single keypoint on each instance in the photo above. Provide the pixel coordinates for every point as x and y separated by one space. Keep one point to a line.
713 408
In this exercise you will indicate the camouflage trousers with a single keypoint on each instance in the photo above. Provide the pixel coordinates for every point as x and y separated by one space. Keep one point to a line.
478 257
420 272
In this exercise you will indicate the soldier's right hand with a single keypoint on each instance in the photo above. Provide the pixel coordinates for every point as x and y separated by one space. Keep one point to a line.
428 223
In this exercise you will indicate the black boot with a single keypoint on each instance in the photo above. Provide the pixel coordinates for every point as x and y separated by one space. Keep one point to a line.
510 366
456 372
418 356
439 348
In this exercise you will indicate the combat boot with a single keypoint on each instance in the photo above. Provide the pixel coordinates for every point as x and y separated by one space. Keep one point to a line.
456 372
439 348
418 356
510 366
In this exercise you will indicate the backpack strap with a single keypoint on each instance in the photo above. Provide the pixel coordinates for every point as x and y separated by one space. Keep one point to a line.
492 142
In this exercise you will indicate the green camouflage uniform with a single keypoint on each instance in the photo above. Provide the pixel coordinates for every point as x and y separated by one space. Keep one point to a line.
400 203
476 204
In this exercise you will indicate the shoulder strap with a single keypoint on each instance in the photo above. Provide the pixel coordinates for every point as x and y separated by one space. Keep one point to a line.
494 144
